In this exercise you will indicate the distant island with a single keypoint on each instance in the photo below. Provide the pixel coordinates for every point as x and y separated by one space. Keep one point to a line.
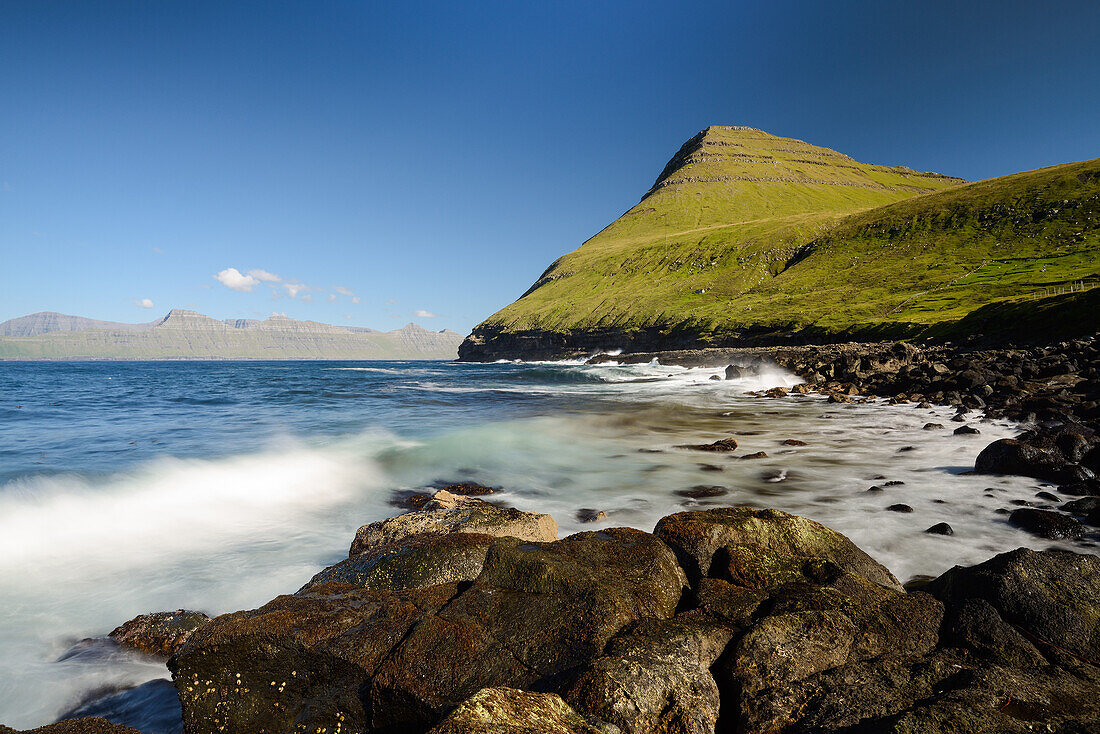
186 334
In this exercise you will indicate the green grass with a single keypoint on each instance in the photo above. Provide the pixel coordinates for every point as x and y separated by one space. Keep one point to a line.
782 235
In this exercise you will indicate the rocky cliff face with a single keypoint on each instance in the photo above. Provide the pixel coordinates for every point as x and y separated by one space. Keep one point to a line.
184 334
44 322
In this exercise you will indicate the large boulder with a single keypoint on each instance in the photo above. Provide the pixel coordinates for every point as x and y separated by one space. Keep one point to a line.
361 656
537 611
1052 597
1009 456
159 633
449 513
511 711
655 677
697 536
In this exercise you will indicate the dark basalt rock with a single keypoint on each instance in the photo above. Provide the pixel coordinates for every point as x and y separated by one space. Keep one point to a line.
757 455
933 427
940 528
697 536
724 445
1046 523
702 491
1009 456
966 431
899 508
588 514
1053 597
159 633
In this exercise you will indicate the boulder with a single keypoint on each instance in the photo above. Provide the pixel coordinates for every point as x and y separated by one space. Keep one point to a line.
655 677
1009 456
414 562
697 536
448 513
1046 523
510 711
1052 597
159 633
537 611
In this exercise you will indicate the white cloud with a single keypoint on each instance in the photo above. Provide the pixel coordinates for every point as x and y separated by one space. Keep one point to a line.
307 298
265 276
158 250
293 289
347 316
235 280
422 314
342 290
391 301
143 302
331 297
355 299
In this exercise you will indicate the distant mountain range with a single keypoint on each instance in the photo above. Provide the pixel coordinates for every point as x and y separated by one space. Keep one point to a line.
190 335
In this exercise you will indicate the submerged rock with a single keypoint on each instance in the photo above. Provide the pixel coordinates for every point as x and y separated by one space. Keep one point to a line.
1046 523
725 444
159 633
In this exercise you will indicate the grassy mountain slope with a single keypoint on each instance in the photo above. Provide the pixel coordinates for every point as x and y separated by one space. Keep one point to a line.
748 233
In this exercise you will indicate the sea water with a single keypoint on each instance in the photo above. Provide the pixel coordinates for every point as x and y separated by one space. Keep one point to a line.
131 487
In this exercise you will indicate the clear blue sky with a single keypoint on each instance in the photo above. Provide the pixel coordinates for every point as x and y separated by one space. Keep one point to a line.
436 157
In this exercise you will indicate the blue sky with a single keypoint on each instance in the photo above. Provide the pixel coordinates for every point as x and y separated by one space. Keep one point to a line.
391 162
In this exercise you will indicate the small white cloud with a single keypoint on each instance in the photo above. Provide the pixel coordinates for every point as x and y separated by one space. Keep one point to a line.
332 298
355 299
143 302
293 289
265 276
279 313
158 250
234 279
307 298
342 290
5 186
422 314
347 316
391 301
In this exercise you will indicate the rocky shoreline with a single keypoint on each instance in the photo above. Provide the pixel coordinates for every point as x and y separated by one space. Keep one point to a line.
462 616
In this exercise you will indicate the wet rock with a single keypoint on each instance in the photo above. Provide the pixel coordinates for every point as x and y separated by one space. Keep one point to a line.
159 633
976 625
966 431
899 508
757 455
1051 596
777 475
89 725
933 427
448 513
1047 496
875 489
152 707
794 442
656 677
511 711
1083 506
738 372
940 528
1009 456
587 514
1046 523
724 445
697 536
535 612
776 392
702 491
414 562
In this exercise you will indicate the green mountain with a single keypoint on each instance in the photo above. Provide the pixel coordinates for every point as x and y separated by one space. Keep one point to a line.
190 335
748 237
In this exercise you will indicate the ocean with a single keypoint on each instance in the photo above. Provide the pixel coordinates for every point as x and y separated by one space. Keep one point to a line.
131 487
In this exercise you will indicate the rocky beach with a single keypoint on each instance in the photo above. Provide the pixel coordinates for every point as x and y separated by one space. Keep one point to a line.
464 614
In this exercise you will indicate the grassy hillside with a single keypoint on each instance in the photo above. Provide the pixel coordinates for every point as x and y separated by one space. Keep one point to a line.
745 231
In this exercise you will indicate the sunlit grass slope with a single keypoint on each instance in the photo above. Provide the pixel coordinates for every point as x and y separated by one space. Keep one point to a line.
746 231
